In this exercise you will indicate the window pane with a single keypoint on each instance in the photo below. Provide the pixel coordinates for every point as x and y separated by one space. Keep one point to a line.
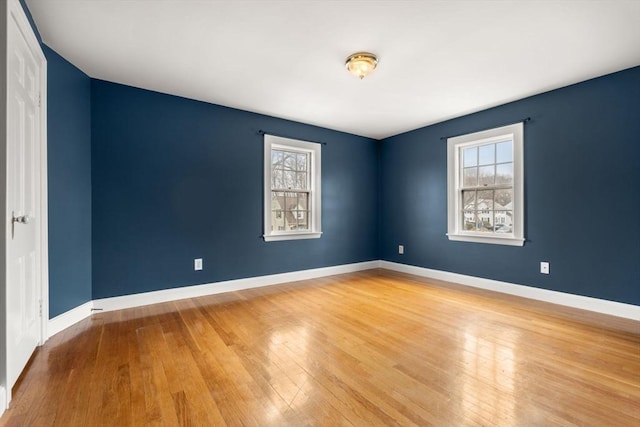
486 175
291 201
470 156
485 200
484 221
470 177
277 221
302 162
289 161
303 201
304 213
504 222
301 181
290 221
486 154
289 179
277 200
276 162
504 173
276 179
469 221
504 152
303 222
469 200
504 199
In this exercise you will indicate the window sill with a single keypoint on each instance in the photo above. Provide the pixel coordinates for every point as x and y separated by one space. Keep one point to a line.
494 240
291 236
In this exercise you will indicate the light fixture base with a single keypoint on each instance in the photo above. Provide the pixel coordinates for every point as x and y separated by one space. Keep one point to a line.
361 64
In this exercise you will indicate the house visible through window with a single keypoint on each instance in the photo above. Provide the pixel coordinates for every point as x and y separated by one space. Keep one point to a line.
292 189
485 186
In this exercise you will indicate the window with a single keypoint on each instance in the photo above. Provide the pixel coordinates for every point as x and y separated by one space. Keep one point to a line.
291 189
485 186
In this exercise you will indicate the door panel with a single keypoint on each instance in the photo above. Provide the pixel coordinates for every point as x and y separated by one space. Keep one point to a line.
23 176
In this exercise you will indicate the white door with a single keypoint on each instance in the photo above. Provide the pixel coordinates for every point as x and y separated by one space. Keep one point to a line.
24 326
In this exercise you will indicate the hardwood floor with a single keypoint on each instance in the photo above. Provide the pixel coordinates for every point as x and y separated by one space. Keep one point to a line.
370 348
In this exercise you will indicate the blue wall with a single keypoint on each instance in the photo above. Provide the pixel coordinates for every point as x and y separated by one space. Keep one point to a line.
69 178
582 193
175 179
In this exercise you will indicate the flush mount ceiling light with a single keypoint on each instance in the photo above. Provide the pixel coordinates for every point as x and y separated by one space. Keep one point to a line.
360 64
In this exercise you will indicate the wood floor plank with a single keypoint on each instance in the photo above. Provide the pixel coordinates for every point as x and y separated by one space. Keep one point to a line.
361 349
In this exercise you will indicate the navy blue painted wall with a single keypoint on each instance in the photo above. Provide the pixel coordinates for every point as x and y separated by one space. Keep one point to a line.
176 179
69 179
582 193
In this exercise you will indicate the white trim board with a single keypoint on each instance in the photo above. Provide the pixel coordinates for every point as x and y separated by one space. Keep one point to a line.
75 315
69 318
83 311
612 308
173 294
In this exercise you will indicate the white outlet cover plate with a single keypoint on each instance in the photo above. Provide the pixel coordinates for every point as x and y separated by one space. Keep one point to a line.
544 267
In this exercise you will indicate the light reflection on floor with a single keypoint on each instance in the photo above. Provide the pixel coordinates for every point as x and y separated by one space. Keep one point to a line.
488 386
289 387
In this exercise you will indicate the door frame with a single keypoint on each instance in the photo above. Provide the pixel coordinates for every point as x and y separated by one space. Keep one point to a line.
15 12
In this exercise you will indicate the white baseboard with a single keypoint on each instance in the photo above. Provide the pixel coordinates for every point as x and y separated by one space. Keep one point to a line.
173 294
69 318
79 313
613 308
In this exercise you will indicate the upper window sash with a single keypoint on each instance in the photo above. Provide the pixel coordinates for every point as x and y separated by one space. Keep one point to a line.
308 172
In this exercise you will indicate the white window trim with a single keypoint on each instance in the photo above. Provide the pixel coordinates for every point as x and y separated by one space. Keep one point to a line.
277 142
454 195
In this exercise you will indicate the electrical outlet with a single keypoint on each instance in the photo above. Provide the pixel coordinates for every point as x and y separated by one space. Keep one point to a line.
401 249
544 267
197 264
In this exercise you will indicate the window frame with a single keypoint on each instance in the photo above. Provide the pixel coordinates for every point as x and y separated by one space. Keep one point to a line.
272 142
455 145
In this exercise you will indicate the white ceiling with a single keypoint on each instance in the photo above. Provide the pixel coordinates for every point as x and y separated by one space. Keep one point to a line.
437 59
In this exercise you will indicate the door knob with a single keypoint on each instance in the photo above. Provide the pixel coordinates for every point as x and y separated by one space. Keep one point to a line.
24 219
